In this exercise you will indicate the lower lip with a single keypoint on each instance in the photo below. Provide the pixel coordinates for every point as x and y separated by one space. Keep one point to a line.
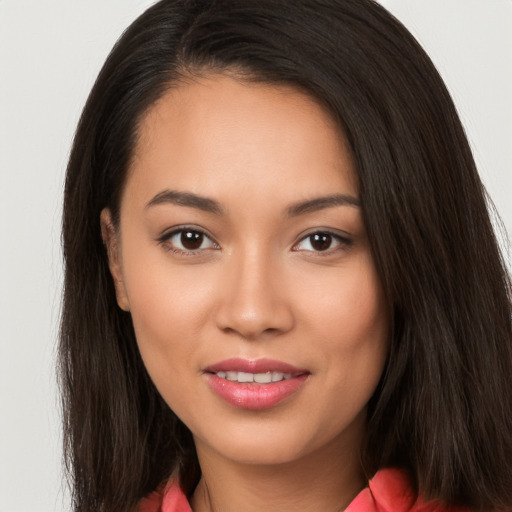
255 396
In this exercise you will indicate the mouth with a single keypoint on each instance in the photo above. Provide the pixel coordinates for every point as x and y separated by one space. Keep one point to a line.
258 378
255 385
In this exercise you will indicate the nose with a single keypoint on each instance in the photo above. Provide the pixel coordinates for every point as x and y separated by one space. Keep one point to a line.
253 301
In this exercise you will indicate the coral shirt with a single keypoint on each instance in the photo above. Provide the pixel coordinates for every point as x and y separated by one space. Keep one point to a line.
387 491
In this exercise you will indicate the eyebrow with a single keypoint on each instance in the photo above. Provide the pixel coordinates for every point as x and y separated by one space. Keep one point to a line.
321 203
209 205
186 199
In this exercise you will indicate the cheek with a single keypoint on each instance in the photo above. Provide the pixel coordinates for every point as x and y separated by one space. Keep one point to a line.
169 306
351 322
348 307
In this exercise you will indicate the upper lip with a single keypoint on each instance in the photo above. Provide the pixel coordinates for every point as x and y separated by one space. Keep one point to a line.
256 366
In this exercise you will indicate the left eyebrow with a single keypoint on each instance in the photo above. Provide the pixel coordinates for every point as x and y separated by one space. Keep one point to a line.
321 203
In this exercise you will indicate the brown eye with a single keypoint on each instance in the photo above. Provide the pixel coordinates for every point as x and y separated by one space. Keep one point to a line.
191 240
321 241
188 240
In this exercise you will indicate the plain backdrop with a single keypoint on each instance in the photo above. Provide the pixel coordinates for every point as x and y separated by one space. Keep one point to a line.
50 53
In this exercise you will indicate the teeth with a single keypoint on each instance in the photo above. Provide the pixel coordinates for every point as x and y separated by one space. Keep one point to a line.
263 378
245 377
259 378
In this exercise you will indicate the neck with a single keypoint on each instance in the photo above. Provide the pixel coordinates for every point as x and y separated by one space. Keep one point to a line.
327 479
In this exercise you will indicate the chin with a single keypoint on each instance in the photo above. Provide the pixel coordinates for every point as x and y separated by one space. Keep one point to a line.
261 453
267 443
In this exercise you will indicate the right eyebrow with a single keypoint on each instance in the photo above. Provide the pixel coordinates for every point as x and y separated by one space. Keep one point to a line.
188 199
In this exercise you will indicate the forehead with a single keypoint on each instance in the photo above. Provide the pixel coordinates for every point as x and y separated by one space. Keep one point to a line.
219 136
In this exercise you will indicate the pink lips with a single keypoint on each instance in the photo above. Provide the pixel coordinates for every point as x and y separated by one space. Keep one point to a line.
253 395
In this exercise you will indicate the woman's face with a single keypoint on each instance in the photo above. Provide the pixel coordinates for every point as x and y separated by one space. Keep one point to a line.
242 255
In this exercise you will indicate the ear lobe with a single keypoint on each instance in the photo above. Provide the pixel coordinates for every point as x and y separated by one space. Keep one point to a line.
111 241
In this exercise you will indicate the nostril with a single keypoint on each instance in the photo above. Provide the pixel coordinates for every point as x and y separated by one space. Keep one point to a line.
252 310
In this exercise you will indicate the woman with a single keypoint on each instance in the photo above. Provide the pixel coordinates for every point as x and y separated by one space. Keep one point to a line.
282 287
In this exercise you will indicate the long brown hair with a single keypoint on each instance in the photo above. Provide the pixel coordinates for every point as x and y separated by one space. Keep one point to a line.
443 408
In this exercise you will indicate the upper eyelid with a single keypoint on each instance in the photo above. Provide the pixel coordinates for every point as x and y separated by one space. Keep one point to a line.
170 232
337 233
343 240
165 241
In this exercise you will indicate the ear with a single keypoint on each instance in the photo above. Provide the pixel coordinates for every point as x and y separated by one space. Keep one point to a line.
112 244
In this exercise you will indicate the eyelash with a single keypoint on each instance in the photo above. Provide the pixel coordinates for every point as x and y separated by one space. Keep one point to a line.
343 242
165 241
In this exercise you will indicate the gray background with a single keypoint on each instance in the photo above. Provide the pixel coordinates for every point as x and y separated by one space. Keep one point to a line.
50 53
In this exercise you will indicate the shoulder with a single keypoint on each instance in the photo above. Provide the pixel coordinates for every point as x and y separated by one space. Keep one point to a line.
390 491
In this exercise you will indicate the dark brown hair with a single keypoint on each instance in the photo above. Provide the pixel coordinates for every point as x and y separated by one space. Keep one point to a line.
443 408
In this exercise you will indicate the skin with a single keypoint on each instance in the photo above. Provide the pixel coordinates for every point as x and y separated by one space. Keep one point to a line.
257 287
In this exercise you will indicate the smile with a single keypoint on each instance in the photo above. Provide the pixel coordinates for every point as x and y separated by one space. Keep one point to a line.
259 378
255 385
